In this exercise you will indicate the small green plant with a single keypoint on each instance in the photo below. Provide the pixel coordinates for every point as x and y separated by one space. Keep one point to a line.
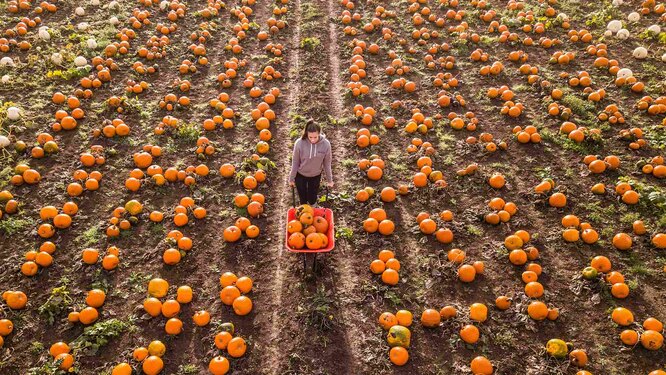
68 74
133 104
474 230
12 225
158 229
504 339
310 43
48 368
188 369
337 198
36 347
316 310
98 335
138 280
521 88
58 302
345 233
310 11
633 283
630 217
100 281
294 132
578 106
393 297
90 237
188 132
348 163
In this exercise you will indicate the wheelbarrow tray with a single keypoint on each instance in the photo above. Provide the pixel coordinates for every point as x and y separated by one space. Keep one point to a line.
327 213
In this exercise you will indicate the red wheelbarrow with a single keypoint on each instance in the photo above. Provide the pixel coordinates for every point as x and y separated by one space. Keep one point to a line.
309 255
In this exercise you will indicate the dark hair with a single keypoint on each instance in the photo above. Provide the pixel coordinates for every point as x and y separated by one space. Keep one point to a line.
310 127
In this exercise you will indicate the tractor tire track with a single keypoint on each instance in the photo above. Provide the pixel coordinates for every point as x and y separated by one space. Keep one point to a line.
281 279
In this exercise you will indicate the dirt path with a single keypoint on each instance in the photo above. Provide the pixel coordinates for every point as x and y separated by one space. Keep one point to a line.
347 280
276 344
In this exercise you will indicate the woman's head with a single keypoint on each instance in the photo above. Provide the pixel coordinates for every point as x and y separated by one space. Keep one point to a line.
311 131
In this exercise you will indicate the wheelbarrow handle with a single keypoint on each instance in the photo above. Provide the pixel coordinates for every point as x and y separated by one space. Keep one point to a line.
293 196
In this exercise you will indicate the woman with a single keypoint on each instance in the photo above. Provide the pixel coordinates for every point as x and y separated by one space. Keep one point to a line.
312 154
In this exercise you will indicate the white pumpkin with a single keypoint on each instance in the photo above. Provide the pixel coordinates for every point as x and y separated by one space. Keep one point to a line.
114 21
6 61
56 58
44 33
625 73
164 5
663 57
114 5
79 11
622 34
634 17
91 43
13 113
617 3
5 79
4 141
654 29
614 26
80 61
94 3
640 53
83 26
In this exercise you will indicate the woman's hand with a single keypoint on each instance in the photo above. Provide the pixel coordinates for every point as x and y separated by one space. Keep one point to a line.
330 184
292 183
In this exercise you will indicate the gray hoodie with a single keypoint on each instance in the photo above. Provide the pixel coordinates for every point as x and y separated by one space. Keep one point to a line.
309 159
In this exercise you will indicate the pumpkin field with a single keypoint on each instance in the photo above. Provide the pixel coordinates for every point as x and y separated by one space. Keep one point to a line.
499 191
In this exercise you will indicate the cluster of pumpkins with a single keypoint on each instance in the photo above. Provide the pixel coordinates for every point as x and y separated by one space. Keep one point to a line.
225 340
501 211
150 359
123 218
169 308
398 336
388 266
233 292
307 230
560 349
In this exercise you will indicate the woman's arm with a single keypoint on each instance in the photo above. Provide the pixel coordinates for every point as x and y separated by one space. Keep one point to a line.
327 164
295 162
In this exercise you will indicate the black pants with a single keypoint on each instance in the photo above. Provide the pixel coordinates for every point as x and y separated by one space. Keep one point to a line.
308 188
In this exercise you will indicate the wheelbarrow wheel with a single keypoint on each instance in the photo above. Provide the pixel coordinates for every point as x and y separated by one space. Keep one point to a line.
309 263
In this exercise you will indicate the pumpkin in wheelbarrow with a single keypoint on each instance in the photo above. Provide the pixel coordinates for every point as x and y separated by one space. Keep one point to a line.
320 224
315 241
309 229
296 240
303 209
399 336
306 218
294 226
324 240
